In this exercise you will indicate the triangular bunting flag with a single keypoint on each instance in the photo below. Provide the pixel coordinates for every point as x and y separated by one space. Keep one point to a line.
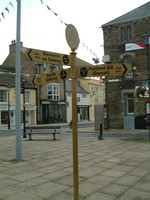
3 15
7 9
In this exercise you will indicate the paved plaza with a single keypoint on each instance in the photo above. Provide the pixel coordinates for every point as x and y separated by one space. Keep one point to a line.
109 169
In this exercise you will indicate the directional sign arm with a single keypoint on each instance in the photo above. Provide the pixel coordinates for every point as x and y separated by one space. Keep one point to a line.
47 57
110 70
52 77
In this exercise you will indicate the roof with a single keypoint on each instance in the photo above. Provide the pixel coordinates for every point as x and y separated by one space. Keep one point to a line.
79 88
138 13
7 78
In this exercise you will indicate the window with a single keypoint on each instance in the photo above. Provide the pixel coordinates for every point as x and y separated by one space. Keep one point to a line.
129 60
126 34
27 97
84 95
78 99
96 90
4 117
129 104
69 94
96 101
27 116
3 96
53 92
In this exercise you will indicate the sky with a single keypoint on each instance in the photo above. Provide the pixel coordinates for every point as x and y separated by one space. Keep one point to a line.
43 24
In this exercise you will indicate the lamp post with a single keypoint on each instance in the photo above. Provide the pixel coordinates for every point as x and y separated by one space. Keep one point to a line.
38 94
145 39
8 107
24 111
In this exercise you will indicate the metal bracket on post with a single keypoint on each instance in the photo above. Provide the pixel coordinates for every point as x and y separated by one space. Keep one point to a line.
100 137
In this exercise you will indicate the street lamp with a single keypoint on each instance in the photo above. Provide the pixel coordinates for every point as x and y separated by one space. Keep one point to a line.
8 107
24 110
145 39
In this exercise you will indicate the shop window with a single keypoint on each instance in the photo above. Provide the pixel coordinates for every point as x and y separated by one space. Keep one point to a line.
126 34
3 96
4 117
27 116
53 92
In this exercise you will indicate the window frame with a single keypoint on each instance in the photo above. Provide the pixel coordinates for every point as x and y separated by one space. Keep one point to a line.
27 97
54 92
126 33
127 103
6 96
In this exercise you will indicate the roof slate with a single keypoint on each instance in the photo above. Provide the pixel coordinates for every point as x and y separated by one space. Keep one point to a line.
138 13
79 88
7 78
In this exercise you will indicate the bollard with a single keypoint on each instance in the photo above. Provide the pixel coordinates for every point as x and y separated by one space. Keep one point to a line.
100 137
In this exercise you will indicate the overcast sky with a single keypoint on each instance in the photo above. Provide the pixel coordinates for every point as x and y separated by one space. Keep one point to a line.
43 25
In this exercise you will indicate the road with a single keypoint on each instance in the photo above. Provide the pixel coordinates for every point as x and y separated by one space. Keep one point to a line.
87 130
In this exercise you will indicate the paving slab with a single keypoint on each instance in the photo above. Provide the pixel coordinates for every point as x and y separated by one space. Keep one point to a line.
111 169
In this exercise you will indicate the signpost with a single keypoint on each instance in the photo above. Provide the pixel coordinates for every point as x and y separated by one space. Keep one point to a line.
103 70
79 68
47 57
55 76
80 72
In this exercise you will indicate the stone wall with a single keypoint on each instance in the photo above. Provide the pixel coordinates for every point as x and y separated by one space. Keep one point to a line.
114 47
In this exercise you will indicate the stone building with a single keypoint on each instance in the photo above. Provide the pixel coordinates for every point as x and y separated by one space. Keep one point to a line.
50 98
7 100
97 93
123 44
52 104
83 102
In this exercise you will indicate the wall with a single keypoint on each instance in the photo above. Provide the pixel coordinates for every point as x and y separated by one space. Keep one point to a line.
116 49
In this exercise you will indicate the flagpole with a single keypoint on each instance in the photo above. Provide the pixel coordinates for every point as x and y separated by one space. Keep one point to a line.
17 86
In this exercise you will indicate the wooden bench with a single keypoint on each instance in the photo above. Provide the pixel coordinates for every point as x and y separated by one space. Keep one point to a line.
30 130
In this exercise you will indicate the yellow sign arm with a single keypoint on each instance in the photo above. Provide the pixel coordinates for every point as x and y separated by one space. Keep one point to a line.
52 77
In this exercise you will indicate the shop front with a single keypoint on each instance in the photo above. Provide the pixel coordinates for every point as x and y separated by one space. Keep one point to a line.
53 112
83 113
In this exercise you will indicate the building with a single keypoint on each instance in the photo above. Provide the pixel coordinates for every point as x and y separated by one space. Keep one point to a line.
50 98
123 44
83 102
7 100
96 88
53 102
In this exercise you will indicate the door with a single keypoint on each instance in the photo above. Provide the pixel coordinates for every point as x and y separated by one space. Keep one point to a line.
129 122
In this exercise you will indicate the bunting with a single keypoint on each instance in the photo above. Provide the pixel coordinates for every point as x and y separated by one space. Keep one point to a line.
10 5
48 7
7 8
62 22
13 74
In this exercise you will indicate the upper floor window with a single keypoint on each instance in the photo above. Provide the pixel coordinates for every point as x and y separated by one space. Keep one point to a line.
84 95
53 92
96 90
27 97
96 101
69 94
126 34
3 96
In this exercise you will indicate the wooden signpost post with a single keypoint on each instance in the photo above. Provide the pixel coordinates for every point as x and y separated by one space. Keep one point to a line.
79 68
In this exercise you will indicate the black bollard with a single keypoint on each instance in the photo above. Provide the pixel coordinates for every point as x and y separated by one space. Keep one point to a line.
100 137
